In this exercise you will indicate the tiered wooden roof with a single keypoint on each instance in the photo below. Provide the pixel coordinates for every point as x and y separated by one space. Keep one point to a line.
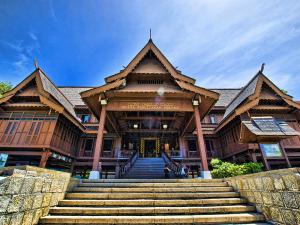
48 94
258 88
118 81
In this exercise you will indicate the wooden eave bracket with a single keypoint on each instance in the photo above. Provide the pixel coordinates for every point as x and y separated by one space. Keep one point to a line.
51 104
6 98
292 103
103 88
198 90
247 106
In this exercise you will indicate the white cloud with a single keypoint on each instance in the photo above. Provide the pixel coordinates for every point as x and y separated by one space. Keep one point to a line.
21 63
223 43
33 36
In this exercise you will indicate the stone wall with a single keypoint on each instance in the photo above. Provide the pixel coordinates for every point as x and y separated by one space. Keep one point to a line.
275 193
27 192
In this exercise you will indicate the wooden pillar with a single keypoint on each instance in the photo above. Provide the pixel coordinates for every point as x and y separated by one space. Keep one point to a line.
117 146
200 139
72 166
182 146
44 159
285 155
253 155
99 141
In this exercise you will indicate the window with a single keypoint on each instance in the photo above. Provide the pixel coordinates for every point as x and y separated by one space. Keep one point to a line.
8 128
85 118
213 119
107 144
209 147
192 145
150 82
88 147
11 128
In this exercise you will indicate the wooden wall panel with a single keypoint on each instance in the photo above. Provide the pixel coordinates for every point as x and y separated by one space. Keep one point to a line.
26 129
65 137
293 142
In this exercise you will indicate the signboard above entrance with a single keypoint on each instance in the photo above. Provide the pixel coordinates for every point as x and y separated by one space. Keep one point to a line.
150 106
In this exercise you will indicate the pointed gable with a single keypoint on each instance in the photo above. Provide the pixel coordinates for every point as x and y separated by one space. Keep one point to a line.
150 60
258 88
268 94
150 46
150 65
184 82
47 92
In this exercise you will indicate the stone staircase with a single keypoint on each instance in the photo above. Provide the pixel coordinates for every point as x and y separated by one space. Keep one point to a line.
146 168
153 201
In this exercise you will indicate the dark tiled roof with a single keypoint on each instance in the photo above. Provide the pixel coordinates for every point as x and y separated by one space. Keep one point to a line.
73 94
269 126
226 96
248 90
53 90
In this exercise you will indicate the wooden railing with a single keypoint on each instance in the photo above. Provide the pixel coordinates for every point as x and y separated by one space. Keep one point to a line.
172 164
123 168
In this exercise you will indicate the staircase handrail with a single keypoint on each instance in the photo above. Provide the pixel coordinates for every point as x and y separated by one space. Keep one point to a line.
124 168
172 164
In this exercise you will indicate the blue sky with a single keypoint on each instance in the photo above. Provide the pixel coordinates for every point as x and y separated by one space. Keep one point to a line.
220 43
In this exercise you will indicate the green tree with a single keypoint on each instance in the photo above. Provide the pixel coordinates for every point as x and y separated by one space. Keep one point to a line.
284 91
4 87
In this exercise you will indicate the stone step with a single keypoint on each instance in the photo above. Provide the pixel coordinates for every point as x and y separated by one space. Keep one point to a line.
144 177
145 174
165 219
153 202
152 181
151 189
147 170
142 195
150 210
152 164
89 184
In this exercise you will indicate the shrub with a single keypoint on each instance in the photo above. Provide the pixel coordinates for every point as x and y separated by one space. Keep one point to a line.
252 167
226 169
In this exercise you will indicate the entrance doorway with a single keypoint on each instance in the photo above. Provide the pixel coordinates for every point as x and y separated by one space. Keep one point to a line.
150 147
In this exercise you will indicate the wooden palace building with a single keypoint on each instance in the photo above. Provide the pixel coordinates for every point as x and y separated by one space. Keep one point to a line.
148 109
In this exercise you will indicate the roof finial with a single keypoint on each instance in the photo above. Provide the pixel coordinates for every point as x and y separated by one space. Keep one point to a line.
36 65
150 39
262 67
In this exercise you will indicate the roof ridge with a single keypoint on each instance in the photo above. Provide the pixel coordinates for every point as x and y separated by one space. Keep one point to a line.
150 46
72 86
225 88
55 86
252 79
